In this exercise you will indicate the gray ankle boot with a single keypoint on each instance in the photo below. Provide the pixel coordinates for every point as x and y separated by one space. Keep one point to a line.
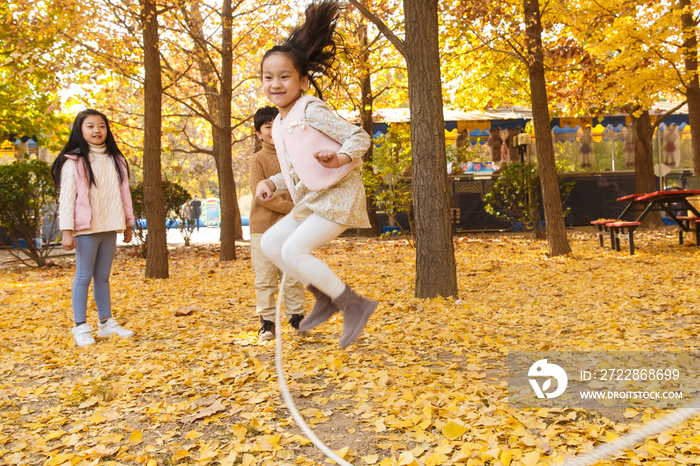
323 309
356 312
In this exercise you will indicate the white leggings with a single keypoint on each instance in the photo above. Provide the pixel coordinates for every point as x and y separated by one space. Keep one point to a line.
288 244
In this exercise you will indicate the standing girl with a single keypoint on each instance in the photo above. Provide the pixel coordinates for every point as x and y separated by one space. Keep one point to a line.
320 155
95 204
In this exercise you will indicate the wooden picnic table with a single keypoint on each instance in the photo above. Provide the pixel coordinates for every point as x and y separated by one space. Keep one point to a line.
658 201
661 201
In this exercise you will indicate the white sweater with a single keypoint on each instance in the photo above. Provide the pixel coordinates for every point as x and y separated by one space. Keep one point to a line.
105 198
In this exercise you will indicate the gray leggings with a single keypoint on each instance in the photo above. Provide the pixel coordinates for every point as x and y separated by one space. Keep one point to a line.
93 259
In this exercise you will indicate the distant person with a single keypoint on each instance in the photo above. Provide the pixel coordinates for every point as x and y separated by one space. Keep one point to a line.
95 205
320 156
196 206
495 144
586 147
672 148
263 165
186 215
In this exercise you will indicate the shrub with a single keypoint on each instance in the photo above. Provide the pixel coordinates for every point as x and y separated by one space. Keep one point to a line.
386 183
516 196
29 208
174 196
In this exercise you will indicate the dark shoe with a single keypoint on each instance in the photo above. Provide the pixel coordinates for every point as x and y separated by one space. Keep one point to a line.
295 320
356 312
267 330
323 309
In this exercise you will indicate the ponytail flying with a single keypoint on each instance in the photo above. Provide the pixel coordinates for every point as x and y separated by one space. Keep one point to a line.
312 45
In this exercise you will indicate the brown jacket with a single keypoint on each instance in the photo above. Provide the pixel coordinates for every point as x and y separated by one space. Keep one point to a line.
263 165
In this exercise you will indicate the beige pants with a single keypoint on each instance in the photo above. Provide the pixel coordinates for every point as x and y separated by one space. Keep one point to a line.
266 284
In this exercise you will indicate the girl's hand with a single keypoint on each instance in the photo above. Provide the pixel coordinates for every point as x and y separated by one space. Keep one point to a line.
264 191
127 235
68 241
329 159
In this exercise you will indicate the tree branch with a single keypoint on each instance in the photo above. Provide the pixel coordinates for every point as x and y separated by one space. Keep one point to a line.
398 43
670 112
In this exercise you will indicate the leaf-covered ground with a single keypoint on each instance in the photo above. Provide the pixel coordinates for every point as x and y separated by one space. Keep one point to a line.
425 384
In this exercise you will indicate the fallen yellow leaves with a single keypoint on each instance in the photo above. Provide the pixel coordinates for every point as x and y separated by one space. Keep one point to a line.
424 385
452 430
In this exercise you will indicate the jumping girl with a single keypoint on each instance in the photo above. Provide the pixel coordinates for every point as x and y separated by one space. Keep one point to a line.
95 204
320 155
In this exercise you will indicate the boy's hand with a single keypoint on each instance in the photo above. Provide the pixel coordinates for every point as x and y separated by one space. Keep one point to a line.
263 192
68 241
127 235
329 159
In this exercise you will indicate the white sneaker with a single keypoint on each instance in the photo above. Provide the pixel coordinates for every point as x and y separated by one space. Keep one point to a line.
82 336
110 327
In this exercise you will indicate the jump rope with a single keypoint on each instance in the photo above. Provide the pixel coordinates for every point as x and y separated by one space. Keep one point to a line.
587 459
288 400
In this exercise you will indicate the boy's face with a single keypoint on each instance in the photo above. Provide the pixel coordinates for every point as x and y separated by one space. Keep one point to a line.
265 133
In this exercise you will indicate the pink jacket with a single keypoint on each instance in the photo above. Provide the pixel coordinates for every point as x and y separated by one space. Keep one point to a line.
83 211
298 139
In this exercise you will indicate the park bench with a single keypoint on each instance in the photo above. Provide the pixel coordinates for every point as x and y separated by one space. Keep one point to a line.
603 231
685 224
657 201
623 230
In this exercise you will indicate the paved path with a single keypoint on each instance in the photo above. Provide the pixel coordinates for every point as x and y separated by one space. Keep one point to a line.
203 236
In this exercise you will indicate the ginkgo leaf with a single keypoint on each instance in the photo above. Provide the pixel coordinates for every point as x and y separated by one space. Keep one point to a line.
452 430
370 459
407 459
135 438
506 458
530 459
180 454
436 459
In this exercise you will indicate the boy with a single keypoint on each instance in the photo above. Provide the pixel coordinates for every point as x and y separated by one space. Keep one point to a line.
263 165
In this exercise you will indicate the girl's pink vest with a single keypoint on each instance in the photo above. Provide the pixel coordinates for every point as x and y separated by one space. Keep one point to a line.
297 138
83 211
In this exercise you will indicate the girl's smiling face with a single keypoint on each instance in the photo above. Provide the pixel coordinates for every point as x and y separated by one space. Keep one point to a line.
282 83
94 129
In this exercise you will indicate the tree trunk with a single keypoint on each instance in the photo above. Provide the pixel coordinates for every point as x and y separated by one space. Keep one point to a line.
366 122
217 100
156 240
435 259
644 178
551 194
690 55
227 187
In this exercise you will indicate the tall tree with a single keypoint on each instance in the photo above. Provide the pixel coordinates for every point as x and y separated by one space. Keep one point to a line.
375 73
227 187
643 129
635 49
35 63
156 241
218 95
214 64
689 25
551 195
436 273
492 49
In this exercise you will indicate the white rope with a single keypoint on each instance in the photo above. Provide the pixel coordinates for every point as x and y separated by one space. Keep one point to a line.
655 427
285 389
588 459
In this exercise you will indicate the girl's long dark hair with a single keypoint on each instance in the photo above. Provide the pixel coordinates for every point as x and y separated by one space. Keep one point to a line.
312 45
78 146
